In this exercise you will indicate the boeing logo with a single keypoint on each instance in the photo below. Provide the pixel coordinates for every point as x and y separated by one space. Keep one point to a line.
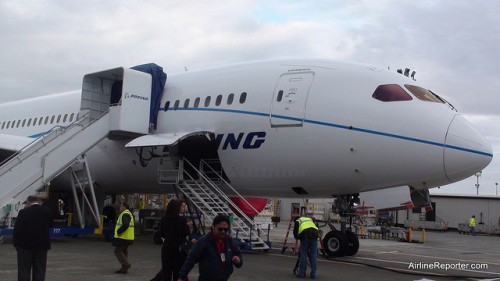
134 96
251 140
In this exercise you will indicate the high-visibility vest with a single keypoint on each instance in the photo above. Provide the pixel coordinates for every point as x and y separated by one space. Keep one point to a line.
129 233
305 223
472 222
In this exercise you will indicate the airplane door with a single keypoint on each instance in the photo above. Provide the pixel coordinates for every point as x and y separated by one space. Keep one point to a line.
288 107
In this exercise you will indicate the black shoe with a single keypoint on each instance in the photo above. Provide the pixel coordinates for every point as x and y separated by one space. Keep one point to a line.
121 271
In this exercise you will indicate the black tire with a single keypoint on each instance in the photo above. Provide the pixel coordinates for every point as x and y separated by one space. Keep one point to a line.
353 247
335 243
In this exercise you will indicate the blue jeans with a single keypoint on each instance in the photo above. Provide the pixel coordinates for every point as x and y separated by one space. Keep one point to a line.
473 230
308 248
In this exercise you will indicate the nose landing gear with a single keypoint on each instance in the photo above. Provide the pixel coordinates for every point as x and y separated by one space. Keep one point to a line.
343 242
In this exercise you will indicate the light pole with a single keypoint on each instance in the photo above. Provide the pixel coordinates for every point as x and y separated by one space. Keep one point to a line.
496 188
478 174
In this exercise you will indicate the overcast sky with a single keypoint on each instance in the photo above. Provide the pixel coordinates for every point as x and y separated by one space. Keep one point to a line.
47 46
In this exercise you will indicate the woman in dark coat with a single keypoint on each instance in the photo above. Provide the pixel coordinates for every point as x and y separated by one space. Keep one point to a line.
175 231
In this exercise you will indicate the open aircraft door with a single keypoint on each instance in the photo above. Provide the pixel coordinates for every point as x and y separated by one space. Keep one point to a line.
288 107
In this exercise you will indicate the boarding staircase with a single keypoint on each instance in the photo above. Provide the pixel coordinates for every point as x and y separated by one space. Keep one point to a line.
207 190
33 167
422 223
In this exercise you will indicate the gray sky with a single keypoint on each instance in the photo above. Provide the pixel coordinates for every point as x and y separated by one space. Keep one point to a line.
454 45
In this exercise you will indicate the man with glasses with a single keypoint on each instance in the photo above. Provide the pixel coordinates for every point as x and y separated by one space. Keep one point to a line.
216 252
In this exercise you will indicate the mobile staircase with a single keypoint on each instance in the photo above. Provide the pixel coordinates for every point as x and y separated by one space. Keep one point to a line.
207 190
30 170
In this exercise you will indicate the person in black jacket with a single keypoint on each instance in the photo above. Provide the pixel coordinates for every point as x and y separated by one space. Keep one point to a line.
32 239
175 231
216 253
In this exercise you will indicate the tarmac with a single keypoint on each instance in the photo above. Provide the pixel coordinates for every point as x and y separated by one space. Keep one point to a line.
443 256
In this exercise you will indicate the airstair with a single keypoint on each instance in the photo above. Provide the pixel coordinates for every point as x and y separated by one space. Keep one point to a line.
209 195
37 164
32 168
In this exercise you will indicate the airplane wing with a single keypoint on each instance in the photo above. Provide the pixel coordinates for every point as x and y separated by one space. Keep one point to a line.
10 144
165 139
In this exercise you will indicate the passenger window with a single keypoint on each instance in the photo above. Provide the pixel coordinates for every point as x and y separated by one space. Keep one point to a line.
196 102
218 101
3 125
280 96
71 117
167 104
52 119
207 101
24 123
230 99
18 123
65 117
424 94
243 97
176 104
58 118
46 120
186 103
8 123
34 121
29 123
391 92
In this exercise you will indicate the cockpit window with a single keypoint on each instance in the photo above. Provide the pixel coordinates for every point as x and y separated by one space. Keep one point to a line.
424 94
391 92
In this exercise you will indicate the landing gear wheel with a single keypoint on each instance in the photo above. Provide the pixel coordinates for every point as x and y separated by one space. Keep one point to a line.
336 244
353 246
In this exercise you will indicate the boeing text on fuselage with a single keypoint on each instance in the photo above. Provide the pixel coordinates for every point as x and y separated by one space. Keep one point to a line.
252 140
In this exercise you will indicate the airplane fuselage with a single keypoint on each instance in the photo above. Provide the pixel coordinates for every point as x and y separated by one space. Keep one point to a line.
323 126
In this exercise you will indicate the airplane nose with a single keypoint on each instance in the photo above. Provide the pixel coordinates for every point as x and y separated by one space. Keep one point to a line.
466 150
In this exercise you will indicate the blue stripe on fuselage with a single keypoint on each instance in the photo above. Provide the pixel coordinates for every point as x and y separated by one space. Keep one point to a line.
335 126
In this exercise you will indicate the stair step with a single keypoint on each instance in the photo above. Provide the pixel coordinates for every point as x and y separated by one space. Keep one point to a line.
210 204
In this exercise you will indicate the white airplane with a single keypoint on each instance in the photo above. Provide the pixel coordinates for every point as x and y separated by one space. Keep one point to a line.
280 128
